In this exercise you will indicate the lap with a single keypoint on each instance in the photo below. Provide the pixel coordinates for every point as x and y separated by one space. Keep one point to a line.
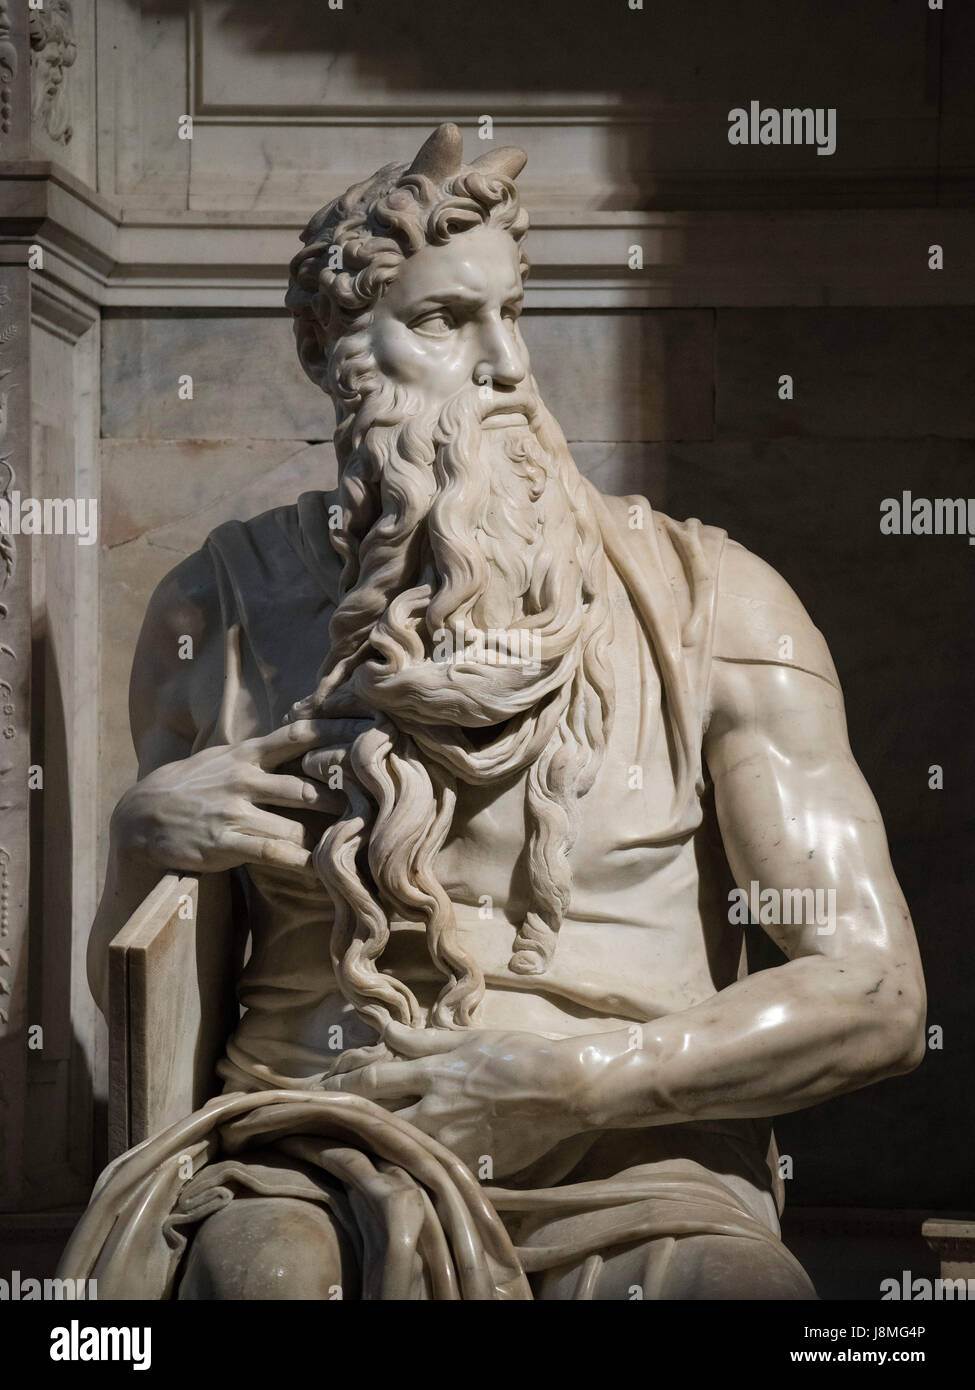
697 1267
269 1248
285 1248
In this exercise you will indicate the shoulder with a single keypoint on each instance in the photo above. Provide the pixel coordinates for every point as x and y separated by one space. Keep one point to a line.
281 548
175 654
760 619
755 616
187 601
772 685
649 545
178 668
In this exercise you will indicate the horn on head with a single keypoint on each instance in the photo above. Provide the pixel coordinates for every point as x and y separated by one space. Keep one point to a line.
508 161
441 154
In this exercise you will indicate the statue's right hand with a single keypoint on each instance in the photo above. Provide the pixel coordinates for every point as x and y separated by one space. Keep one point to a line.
207 812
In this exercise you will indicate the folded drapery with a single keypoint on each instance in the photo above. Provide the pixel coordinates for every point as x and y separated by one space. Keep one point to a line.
418 1208
420 1224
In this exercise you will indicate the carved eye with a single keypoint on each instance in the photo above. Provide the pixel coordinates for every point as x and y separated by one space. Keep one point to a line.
436 325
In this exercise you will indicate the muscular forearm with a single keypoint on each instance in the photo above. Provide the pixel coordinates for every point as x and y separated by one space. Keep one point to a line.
777 1041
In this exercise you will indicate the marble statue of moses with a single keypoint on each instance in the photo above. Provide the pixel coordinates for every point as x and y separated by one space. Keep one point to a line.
488 752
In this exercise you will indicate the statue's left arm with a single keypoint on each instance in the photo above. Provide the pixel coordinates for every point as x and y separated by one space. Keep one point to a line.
795 813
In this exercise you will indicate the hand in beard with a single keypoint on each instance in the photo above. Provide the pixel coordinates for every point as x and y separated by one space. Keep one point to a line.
210 811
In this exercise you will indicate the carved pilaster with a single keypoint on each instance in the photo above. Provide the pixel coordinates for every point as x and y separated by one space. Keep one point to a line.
15 622
14 80
15 635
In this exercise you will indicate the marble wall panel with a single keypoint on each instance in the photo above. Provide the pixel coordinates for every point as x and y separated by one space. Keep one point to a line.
655 134
246 380
957 148
380 52
142 65
858 373
626 376
66 670
619 113
958 66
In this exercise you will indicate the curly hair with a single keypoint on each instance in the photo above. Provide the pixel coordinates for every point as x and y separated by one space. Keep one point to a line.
355 245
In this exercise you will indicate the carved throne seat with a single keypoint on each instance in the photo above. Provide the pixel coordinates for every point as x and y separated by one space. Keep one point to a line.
172 1004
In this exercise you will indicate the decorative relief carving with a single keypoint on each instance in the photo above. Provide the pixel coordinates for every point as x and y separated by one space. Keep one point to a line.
53 50
6 961
8 547
8 67
14 675
8 557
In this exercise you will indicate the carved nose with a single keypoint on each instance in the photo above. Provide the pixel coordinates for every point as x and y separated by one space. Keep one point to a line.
502 361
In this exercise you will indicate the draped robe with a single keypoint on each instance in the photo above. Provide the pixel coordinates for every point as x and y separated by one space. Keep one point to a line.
421 1224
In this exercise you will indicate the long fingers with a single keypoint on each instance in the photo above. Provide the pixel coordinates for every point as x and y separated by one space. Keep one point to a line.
385 1081
260 822
424 1042
324 763
306 793
293 740
259 849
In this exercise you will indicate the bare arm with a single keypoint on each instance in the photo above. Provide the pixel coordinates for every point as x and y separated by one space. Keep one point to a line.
795 813
846 1009
164 705
204 811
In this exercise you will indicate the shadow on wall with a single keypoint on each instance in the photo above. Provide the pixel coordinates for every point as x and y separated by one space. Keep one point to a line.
58 1076
572 47
650 89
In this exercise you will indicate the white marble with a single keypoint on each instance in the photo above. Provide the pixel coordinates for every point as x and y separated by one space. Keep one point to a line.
540 973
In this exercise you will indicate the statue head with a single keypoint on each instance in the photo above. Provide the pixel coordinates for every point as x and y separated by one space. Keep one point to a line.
414 279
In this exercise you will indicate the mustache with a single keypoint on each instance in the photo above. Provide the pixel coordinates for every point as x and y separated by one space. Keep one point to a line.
491 403
397 413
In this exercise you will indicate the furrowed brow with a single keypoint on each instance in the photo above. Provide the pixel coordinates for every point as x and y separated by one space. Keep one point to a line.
468 299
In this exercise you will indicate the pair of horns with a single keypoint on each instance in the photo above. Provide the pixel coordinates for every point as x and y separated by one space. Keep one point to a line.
442 155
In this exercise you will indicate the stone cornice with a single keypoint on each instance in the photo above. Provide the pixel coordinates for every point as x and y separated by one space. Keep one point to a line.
98 251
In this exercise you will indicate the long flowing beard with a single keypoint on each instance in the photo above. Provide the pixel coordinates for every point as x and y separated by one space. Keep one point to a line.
485 537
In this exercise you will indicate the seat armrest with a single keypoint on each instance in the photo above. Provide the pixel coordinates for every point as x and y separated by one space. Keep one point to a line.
172 971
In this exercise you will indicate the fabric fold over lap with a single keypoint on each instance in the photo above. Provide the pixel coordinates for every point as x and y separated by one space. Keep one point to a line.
431 1230
640 1204
420 1224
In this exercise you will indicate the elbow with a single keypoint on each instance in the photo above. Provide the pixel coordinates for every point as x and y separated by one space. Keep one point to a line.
884 1005
902 1033
908 1044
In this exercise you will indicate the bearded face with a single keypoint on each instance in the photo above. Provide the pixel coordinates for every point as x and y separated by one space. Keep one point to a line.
475 533
473 620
